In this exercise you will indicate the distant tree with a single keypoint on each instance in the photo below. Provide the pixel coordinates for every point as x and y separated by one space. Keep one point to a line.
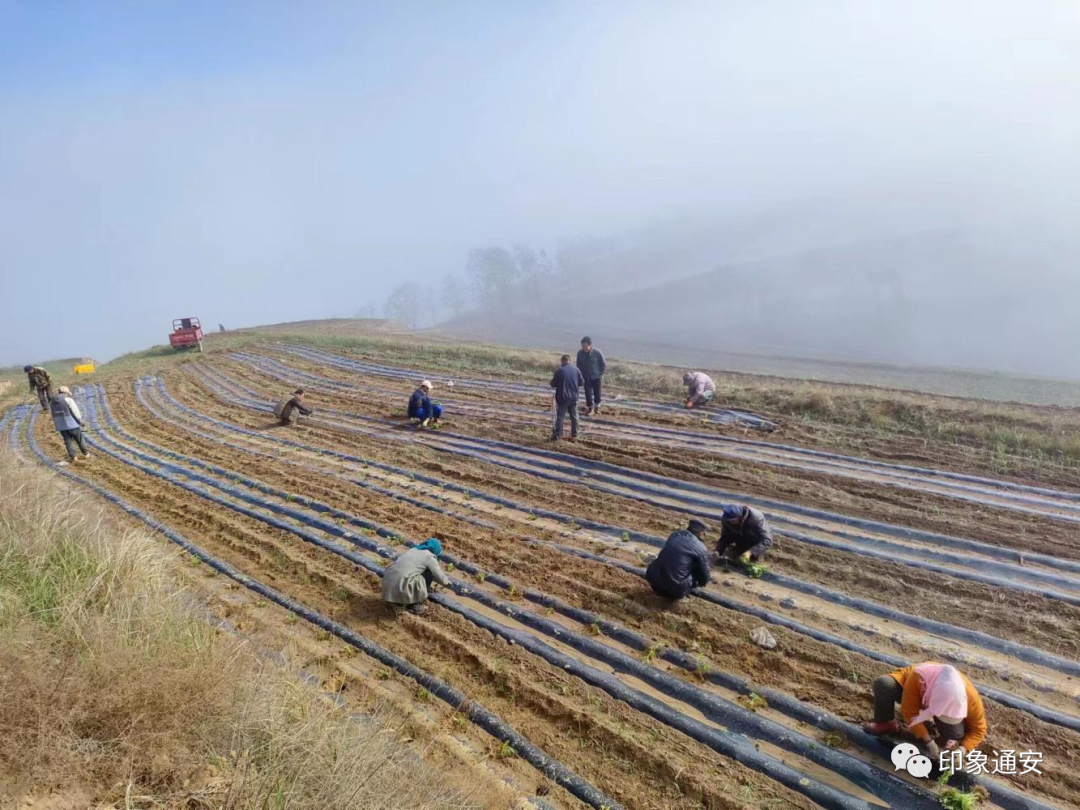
492 272
403 304
429 305
366 311
455 296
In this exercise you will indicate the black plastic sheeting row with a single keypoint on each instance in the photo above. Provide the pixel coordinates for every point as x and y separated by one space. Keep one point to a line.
1021 651
1011 573
1007 495
992 483
744 722
477 714
734 744
1005 698
722 416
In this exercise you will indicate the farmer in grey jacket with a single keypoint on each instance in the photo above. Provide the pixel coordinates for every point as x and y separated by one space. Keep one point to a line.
591 364
745 534
408 579
68 421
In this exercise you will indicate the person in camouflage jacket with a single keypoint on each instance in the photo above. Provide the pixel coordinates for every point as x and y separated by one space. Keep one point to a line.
40 383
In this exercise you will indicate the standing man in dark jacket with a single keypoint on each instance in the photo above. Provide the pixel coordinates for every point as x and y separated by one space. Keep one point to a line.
40 384
566 382
285 410
591 364
683 563
744 535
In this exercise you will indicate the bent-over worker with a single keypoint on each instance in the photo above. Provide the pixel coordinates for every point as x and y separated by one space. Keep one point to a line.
744 534
700 389
940 706
421 407
292 409
40 384
409 578
68 421
682 564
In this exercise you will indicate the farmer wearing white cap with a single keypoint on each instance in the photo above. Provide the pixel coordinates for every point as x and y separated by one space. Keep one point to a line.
422 408
68 421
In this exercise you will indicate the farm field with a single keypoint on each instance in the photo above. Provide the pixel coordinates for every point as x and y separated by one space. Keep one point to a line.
892 549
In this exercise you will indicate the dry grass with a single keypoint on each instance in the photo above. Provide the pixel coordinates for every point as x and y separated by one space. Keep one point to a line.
113 687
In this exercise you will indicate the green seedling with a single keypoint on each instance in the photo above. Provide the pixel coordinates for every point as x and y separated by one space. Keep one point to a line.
530 516
833 740
650 654
506 751
625 537
341 594
702 671
944 777
754 570
449 567
549 611
512 591
459 721
754 701
322 635
422 694
383 674
953 799
394 540
480 575
595 630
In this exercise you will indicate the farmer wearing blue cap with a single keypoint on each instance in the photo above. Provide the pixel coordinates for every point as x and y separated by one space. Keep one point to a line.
744 534
682 564
409 578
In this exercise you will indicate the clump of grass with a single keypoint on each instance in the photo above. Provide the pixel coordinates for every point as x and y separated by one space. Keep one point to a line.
505 751
113 683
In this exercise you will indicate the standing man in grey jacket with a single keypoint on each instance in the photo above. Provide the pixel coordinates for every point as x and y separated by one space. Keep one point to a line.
590 361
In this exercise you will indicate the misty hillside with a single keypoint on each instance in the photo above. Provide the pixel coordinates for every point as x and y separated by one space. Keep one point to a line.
897 299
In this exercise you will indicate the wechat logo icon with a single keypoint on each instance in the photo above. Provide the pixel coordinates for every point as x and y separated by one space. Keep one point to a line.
906 757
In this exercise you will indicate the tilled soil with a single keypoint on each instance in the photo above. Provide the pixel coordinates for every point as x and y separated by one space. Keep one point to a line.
639 761
525 691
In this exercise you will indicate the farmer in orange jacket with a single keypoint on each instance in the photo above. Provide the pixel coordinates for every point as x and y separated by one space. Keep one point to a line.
939 704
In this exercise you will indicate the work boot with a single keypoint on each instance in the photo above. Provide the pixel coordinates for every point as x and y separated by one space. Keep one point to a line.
418 609
554 438
596 410
587 411
877 729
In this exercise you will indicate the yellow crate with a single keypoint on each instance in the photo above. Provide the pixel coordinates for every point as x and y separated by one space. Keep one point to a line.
85 368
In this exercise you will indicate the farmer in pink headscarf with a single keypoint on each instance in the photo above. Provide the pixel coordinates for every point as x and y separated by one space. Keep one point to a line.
939 705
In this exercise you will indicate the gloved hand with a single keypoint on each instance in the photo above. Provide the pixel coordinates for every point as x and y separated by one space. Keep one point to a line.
933 751
744 557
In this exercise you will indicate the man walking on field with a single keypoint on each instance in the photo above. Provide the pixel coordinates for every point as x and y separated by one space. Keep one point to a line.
567 381
591 364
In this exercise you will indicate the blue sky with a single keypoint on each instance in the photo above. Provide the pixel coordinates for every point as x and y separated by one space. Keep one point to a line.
256 162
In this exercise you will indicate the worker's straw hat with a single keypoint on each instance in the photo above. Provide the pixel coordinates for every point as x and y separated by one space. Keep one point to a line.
63 389
426 384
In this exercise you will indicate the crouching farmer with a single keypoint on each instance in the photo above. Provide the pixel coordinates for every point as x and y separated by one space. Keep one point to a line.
940 706
68 421
409 578
745 535
290 411
700 389
682 565
422 408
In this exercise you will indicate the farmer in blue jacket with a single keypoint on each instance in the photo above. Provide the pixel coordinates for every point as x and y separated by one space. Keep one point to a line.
567 382
422 408
683 563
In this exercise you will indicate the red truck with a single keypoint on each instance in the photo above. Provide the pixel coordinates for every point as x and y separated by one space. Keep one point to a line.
186 334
